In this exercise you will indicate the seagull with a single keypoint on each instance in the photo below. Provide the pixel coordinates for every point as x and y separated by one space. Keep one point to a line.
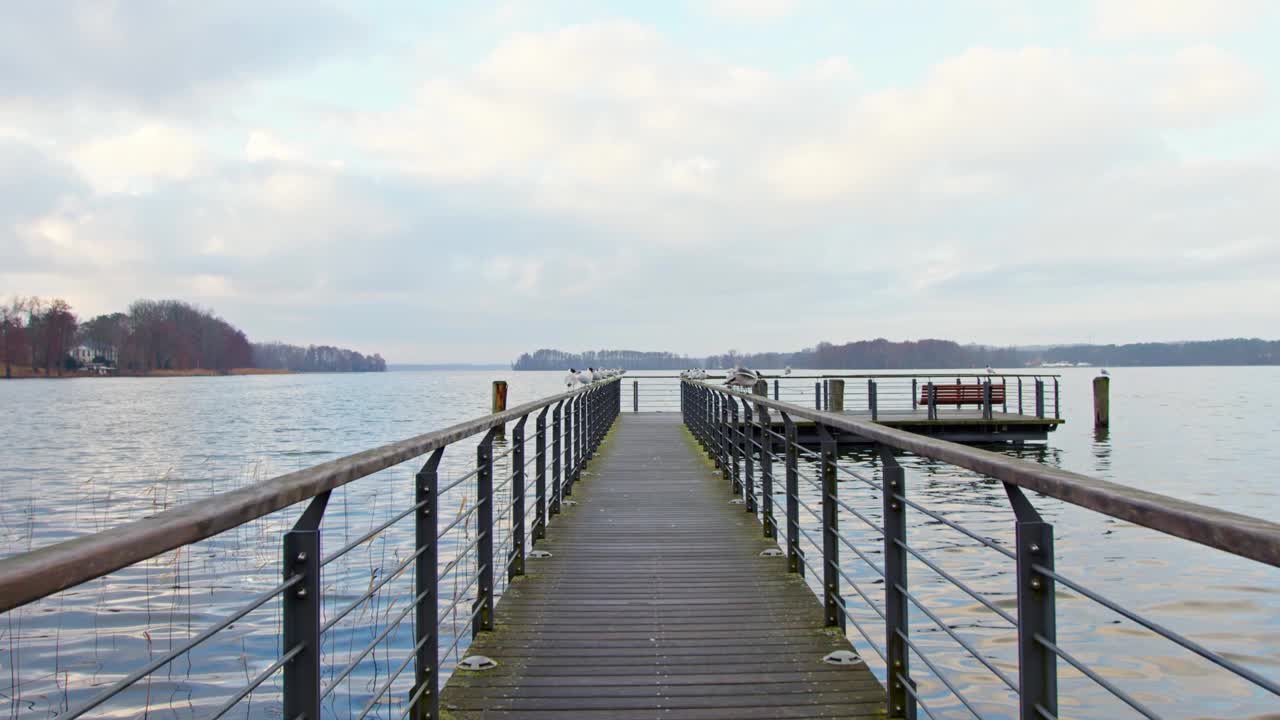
572 378
742 377
787 371
584 378
1104 372
990 371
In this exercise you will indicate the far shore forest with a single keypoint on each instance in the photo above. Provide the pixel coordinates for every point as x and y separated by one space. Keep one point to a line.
44 338
881 354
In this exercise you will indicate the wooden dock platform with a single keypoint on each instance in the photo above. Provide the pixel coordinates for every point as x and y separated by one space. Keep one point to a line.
656 604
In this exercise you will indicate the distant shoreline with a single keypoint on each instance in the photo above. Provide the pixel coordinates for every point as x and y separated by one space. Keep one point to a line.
25 373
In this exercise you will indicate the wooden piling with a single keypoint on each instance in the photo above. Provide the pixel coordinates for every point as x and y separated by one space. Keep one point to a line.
835 401
499 402
1101 401
761 388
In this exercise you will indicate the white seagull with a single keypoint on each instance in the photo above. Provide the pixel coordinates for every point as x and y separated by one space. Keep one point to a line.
1104 372
584 378
571 379
990 371
742 377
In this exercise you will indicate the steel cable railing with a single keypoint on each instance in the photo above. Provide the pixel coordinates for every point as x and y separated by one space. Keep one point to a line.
721 420
500 512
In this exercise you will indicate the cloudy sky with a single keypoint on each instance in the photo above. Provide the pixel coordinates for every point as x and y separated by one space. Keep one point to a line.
446 181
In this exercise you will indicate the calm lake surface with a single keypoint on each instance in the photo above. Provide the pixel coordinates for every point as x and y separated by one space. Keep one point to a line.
82 455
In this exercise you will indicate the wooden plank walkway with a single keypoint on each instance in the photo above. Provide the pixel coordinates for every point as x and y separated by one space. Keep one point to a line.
657 605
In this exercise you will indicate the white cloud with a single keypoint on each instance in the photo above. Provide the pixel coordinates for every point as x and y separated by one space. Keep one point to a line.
135 160
750 10
1174 17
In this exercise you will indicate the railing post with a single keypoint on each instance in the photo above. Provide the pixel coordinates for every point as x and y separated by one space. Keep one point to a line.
794 563
1057 411
540 476
826 394
734 445
1037 622
1019 395
915 399
301 613
748 458
901 704
777 394
873 400
426 626
766 473
556 437
1039 398
635 396
817 396
515 563
483 607
933 401
834 604
986 400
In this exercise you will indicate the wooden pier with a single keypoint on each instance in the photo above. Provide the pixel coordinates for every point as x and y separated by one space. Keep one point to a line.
656 603
658 599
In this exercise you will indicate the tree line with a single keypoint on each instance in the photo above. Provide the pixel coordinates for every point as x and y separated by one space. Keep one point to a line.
882 354
43 334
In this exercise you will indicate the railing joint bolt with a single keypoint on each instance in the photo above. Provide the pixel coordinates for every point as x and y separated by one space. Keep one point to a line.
1035 548
302 557
1036 584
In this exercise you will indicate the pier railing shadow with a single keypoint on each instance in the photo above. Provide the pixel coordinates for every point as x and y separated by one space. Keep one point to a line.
777 478
519 487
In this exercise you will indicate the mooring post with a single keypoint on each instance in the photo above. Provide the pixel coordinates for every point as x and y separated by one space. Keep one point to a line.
914 393
483 606
1039 398
834 604
873 400
932 408
986 400
426 627
794 563
835 395
817 396
499 403
777 395
901 703
1101 401
635 396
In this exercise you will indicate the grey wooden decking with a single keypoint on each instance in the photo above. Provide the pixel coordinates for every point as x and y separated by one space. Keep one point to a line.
657 605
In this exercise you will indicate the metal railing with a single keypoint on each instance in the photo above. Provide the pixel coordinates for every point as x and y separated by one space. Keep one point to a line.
884 394
557 451
751 437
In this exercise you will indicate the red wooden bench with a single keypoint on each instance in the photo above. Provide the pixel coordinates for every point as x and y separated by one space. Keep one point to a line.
961 394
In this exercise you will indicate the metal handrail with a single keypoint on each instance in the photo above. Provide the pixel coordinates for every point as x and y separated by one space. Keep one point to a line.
588 413
44 571
1243 535
721 419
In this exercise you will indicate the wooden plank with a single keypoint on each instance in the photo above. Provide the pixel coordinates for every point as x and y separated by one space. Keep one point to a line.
656 604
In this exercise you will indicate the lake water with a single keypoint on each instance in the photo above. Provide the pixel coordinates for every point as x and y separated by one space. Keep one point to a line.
83 455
